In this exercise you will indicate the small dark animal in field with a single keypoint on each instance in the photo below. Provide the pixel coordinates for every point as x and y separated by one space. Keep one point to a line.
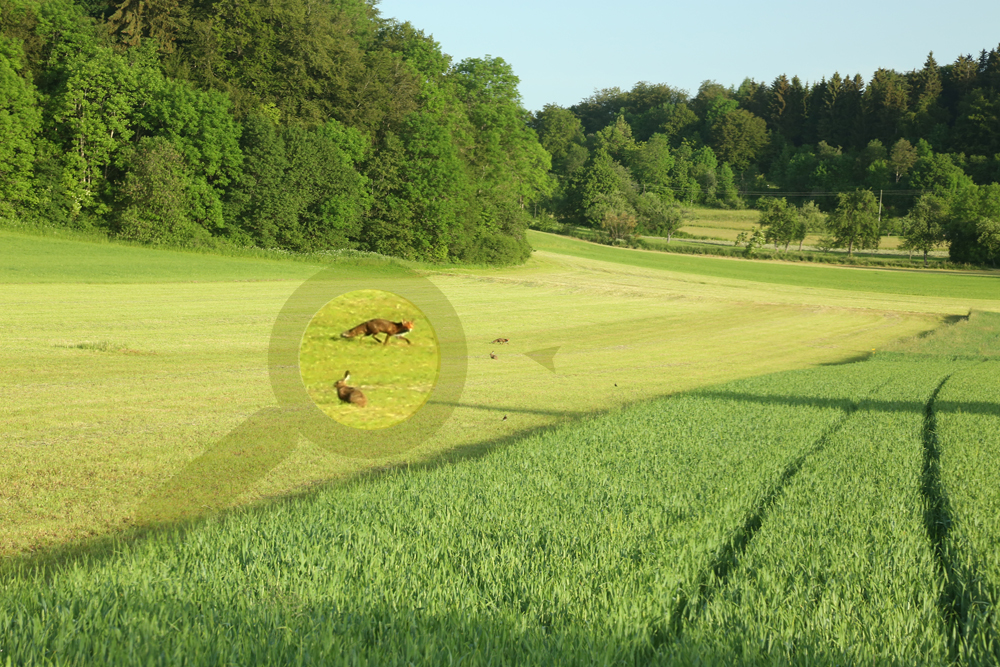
500 341
492 356
350 394
377 326
504 418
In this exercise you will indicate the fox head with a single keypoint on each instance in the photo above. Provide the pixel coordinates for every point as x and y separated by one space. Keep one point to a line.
408 325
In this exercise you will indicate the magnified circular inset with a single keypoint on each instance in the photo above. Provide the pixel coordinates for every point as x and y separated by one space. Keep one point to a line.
286 349
369 359
433 363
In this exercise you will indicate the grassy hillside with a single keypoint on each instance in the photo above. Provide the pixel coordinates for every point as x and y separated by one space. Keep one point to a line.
113 387
49 259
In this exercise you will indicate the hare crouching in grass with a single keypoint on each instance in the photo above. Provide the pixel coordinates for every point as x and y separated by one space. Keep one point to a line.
350 394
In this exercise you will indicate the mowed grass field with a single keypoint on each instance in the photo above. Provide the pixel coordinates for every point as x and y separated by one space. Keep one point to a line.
123 365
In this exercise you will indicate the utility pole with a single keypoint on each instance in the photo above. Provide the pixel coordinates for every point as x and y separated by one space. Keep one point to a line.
880 208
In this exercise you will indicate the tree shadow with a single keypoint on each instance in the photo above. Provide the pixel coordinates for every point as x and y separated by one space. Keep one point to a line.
232 465
229 467
569 414
955 407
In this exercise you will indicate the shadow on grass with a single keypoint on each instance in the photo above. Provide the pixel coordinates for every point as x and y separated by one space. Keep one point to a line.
285 630
207 486
955 407
525 411
850 360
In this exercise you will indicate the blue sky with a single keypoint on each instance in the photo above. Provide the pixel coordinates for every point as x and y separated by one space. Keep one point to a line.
563 51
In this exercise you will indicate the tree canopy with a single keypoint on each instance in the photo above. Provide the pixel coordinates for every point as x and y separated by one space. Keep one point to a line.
318 126
296 125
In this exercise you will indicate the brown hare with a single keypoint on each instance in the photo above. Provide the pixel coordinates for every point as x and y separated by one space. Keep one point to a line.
350 394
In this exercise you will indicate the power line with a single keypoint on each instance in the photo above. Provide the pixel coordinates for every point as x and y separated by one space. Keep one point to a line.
771 193
830 193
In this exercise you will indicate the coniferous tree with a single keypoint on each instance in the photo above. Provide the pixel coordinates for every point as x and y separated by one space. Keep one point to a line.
886 105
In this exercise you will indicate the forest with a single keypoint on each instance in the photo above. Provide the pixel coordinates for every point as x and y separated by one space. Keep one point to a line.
302 125
312 125
914 154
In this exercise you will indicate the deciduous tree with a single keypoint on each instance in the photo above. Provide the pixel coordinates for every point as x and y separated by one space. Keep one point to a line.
559 131
778 220
855 222
94 113
738 137
924 227
651 164
20 123
658 215
902 158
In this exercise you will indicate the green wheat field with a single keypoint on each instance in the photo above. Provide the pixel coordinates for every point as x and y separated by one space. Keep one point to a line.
727 463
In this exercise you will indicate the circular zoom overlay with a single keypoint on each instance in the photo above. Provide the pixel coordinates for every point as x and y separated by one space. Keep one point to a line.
369 359
404 357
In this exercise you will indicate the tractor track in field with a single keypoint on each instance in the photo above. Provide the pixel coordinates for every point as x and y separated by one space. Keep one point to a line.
965 625
728 556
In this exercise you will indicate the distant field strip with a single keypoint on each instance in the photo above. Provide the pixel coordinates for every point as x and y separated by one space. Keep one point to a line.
771 520
30 259
961 287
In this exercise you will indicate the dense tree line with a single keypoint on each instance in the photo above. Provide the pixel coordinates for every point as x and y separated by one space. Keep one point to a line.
320 124
303 125
924 143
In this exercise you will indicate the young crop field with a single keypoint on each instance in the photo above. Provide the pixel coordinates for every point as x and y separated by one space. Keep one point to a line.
843 570
967 447
791 518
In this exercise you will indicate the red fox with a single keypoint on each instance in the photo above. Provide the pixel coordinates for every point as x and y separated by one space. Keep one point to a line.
350 394
501 341
374 327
